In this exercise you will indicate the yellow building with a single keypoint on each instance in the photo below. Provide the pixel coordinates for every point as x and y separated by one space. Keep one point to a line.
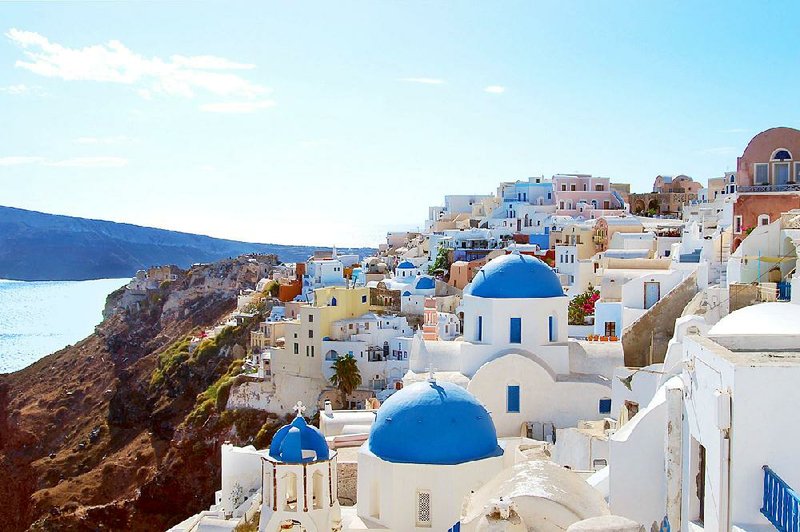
579 234
302 354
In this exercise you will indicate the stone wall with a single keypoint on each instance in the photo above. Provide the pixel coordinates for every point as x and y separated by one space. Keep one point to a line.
657 326
346 483
251 394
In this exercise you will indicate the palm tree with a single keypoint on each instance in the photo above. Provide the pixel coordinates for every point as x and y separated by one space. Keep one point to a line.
346 376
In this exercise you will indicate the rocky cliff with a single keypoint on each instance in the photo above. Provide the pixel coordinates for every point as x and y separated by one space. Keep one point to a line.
122 430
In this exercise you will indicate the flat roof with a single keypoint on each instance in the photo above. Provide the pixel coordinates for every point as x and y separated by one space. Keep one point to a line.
750 358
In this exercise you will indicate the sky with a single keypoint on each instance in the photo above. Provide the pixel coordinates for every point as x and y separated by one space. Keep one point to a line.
326 123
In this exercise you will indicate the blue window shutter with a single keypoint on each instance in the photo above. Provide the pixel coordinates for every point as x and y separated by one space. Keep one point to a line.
515 336
551 324
605 406
480 328
512 398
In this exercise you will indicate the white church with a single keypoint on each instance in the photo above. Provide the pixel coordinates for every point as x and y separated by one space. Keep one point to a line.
515 355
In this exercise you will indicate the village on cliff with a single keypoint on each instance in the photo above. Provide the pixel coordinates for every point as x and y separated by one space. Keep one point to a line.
562 354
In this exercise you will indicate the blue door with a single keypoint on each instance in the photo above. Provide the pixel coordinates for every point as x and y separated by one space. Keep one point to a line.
512 399
515 336
652 293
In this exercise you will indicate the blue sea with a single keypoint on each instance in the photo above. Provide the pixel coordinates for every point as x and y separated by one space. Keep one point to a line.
39 318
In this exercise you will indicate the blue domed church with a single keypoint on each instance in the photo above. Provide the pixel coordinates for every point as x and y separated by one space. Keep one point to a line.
431 445
514 356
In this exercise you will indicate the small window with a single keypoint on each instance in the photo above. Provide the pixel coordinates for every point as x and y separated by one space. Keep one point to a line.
312 350
763 219
551 327
296 348
310 333
479 333
423 509
605 406
515 334
363 299
599 463
737 224
512 398
310 318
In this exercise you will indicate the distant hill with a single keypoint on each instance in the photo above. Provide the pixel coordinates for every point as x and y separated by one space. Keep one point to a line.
36 246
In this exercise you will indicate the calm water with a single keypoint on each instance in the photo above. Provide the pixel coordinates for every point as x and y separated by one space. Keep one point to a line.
39 318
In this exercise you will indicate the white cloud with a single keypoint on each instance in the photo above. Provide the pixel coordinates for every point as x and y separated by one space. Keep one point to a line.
113 62
426 81
16 160
495 89
21 89
119 139
236 107
90 162
15 89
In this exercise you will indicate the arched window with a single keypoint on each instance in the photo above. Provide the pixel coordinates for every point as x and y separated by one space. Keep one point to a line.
333 301
781 154
318 495
375 500
290 492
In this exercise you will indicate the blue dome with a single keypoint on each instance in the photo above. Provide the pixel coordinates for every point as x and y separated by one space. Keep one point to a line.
406 265
433 423
291 440
515 276
425 283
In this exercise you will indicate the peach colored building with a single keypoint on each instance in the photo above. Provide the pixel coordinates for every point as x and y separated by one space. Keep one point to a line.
585 195
768 180
606 226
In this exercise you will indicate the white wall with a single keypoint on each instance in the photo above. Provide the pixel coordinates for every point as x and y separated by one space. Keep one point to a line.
636 468
241 467
395 486
542 399
578 450
633 290
607 311
497 314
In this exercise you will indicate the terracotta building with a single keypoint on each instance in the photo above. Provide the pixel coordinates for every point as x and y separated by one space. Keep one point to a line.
768 180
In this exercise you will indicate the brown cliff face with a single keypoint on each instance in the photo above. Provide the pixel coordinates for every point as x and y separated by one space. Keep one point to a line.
90 440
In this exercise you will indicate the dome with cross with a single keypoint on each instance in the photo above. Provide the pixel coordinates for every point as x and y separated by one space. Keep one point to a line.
299 442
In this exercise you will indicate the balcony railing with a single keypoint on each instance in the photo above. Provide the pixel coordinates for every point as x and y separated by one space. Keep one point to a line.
781 503
788 187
